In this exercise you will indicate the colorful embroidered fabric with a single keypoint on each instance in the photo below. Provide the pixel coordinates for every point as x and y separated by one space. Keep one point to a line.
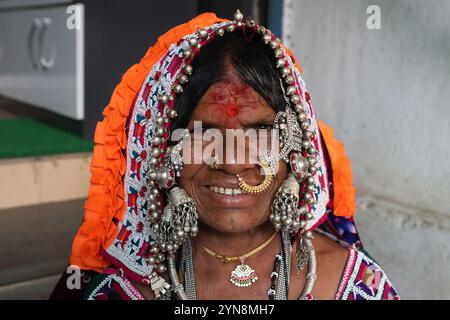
362 279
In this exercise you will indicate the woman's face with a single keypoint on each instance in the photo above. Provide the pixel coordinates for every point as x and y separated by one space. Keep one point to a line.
231 104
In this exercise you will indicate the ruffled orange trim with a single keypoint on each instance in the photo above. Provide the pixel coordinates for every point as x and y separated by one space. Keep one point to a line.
344 193
106 193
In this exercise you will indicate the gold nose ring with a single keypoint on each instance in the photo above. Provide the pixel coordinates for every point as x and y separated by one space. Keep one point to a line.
268 177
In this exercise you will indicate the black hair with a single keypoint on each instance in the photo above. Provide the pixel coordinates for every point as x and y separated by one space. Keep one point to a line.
253 60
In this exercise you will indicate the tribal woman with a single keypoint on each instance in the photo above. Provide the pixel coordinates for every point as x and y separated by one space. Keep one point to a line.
276 226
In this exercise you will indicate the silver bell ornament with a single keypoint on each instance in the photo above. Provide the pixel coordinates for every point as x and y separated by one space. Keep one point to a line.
285 215
178 221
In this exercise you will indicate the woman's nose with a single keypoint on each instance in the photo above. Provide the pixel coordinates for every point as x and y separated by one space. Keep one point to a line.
238 158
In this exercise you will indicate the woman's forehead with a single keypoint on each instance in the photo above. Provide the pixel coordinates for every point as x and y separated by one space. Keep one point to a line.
231 98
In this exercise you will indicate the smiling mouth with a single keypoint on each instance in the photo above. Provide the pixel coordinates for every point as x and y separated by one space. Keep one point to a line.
227 191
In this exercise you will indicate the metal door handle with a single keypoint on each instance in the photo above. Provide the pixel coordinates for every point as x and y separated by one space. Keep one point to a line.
35 26
44 62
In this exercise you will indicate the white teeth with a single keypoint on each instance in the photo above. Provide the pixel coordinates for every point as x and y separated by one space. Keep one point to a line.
227 191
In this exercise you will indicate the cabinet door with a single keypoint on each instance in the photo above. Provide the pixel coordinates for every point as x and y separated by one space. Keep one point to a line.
42 58
28 3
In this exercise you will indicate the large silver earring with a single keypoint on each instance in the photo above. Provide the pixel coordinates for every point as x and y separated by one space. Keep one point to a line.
178 221
285 216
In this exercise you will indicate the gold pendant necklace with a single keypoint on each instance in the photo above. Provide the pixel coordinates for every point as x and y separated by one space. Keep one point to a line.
243 275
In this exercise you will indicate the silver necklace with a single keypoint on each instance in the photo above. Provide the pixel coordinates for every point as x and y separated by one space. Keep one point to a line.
282 289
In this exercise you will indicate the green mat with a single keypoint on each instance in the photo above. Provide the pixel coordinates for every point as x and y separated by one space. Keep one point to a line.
25 137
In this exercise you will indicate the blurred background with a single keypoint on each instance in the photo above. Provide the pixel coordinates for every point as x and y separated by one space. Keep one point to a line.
378 72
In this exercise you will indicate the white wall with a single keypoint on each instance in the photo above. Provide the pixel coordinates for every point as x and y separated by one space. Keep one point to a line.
386 93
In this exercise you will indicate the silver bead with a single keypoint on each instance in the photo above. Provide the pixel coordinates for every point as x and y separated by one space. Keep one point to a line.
164 98
160 131
152 173
154 249
193 42
289 80
295 99
203 33
238 16
278 53
172 113
307 197
152 260
220 32
155 215
156 141
180 233
230 28
304 125
266 38
310 200
302 224
160 121
299 107
178 88
308 135
152 205
163 176
312 170
310 188
309 216
290 90
280 63
302 116
285 71
312 161
188 69
154 161
156 152
306 144
162 268
194 229
183 79
310 180
187 54
274 43
261 30
312 150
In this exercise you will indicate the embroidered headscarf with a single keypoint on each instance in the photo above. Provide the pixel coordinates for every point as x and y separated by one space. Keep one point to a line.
116 227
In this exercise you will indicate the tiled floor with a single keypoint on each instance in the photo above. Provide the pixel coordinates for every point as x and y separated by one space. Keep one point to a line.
35 246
